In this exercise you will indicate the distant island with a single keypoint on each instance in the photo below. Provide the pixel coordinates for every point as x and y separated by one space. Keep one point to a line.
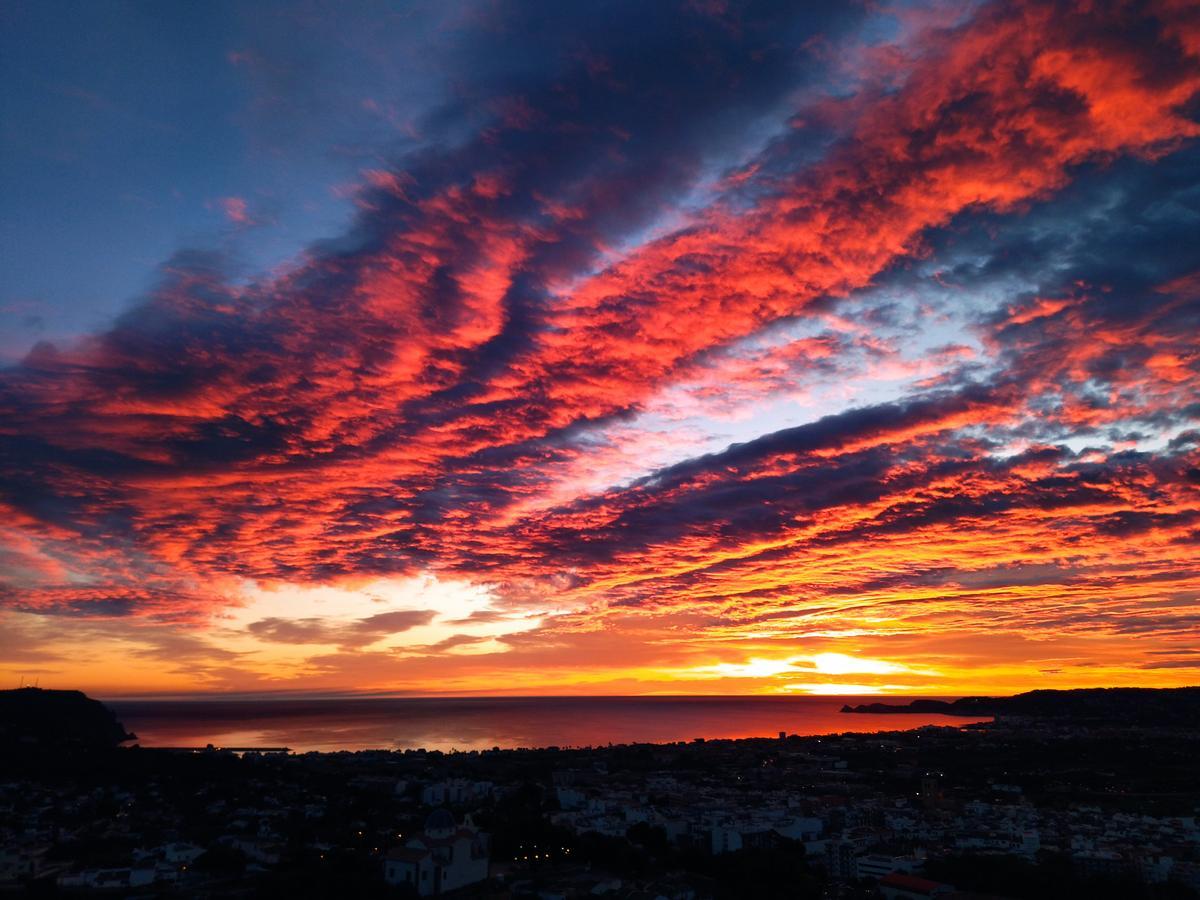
1175 706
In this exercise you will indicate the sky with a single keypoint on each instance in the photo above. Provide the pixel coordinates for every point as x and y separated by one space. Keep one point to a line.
693 347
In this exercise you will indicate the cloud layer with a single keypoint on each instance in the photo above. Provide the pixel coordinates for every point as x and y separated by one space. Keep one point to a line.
691 337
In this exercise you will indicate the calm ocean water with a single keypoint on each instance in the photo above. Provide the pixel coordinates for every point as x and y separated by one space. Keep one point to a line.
482 723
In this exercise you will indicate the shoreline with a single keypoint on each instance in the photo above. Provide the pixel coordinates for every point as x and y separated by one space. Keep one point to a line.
486 723
561 748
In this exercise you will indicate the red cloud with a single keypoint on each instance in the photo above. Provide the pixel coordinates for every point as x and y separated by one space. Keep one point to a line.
387 407
236 210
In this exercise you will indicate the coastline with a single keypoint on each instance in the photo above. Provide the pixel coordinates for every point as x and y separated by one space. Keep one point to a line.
484 723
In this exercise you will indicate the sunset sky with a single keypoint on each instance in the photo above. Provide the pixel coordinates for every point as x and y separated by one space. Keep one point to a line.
599 348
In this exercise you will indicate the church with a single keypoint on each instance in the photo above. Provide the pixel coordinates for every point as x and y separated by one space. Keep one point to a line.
445 857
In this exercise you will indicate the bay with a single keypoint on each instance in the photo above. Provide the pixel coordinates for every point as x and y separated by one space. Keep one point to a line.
480 723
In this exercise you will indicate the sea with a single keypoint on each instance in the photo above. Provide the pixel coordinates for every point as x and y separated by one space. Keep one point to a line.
484 723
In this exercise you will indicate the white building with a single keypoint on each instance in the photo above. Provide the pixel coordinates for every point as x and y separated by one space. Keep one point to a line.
899 886
570 798
445 857
800 828
179 853
108 879
879 865
454 792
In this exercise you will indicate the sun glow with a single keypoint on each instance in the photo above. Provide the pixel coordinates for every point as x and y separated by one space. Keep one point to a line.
844 664
838 689
780 674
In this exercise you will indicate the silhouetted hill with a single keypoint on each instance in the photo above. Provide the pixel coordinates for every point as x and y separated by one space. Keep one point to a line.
1175 706
32 719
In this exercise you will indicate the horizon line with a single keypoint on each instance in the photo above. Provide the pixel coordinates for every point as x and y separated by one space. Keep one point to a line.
246 696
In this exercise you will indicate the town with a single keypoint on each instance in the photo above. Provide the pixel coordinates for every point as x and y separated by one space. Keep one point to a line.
1016 808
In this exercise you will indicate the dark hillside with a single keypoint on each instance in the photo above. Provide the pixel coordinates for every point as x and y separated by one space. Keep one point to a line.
36 720
1167 706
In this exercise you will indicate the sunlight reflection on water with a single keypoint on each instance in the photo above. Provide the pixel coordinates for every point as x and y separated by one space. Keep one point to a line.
483 723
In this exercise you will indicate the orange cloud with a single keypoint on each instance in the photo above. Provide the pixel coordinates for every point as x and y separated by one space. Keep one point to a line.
453 389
